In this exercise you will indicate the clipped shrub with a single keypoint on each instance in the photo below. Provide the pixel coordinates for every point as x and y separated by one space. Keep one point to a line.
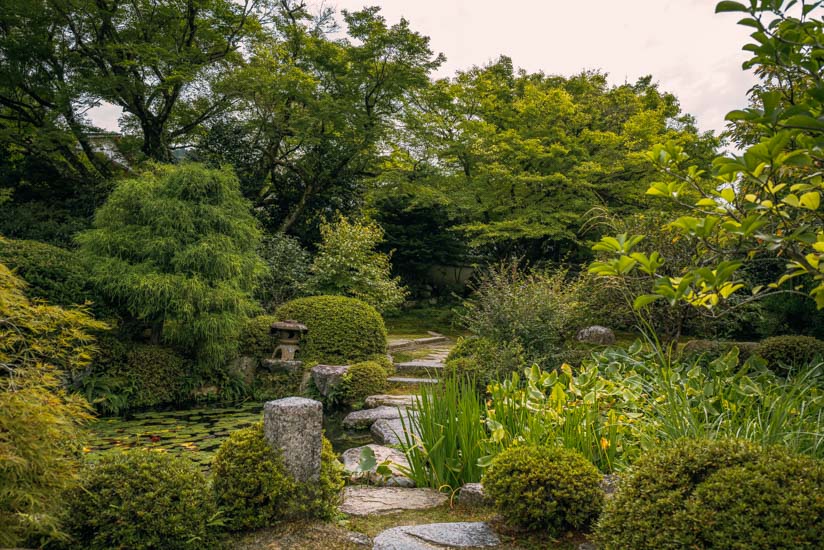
484 359
155 375
385 361
784 352
705 351
341 330
545 488
361 381
252 489
717 494
142 499
53 274
256 339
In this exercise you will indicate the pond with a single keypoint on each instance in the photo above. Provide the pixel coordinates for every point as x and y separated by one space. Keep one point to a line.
196 433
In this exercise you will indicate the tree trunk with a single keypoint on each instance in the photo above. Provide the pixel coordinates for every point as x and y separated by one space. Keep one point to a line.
157 333
154 143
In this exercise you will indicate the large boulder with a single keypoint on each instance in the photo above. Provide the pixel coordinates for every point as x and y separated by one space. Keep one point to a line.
397 460
596 334
437 535
363 419
328 377
363 500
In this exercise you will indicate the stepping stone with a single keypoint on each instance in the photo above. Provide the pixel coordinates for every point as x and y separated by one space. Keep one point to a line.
437 536
389 431
351 459
361 420
412 381
420 364
374 401
363 500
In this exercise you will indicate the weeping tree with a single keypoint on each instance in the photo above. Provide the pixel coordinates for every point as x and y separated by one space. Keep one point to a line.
176 249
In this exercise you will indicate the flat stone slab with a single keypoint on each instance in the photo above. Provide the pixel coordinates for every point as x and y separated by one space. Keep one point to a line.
326 377
363 419
437 536
374 401
420 364
351 460
411 380
397 345
363 500
389 431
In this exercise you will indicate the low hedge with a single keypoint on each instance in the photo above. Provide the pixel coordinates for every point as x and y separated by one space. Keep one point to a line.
484 359
142 499
714 495
705 351
361 381
341 330
544 488
782 353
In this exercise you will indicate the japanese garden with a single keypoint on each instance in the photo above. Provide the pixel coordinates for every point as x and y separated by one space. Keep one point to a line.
314 291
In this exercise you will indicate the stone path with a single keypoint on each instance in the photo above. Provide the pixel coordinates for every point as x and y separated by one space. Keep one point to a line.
436 536
397 461
389 401
365 500
411 381
390 431
364 418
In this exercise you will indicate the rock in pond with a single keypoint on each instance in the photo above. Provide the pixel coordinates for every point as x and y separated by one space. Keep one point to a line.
326 377
437 535
363 500
351 461
374 401
363 419
389 431
596 334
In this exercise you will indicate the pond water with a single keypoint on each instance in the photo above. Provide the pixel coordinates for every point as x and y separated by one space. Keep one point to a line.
196 433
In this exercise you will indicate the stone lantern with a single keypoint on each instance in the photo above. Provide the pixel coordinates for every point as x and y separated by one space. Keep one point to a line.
288 334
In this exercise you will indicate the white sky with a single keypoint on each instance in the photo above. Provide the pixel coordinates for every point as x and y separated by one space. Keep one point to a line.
688 49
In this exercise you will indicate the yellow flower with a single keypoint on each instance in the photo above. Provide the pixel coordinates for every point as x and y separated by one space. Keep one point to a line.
604 443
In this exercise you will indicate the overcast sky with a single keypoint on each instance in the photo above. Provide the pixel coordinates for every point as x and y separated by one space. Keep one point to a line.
688 49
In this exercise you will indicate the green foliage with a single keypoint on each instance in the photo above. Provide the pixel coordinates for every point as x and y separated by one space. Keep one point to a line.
40 422
347 264
341 330
705 351
154 375
782 353
485 359
539 311
443 440
545 488
51 273
361 381
176 248
764 202
717 494
287 265
142 499
256 339
253 490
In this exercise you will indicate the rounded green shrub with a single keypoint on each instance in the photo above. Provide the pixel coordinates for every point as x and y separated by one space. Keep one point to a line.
705 351
463 367
544 488
155 375
256 339
385 361
486 360
361 381
341 330
714 495
142 499
784 352
253 490
53 274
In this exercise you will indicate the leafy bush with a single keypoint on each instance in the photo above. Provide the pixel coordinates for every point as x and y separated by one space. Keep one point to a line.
361 381
347 264
704 351
539 311
287 265
545 488
253 490
142 499
156 375
785 352
53 274
256 338
40 422
176 247
717 494
485 359
341 330
448 432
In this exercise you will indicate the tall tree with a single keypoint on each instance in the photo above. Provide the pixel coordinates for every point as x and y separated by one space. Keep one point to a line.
315 108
